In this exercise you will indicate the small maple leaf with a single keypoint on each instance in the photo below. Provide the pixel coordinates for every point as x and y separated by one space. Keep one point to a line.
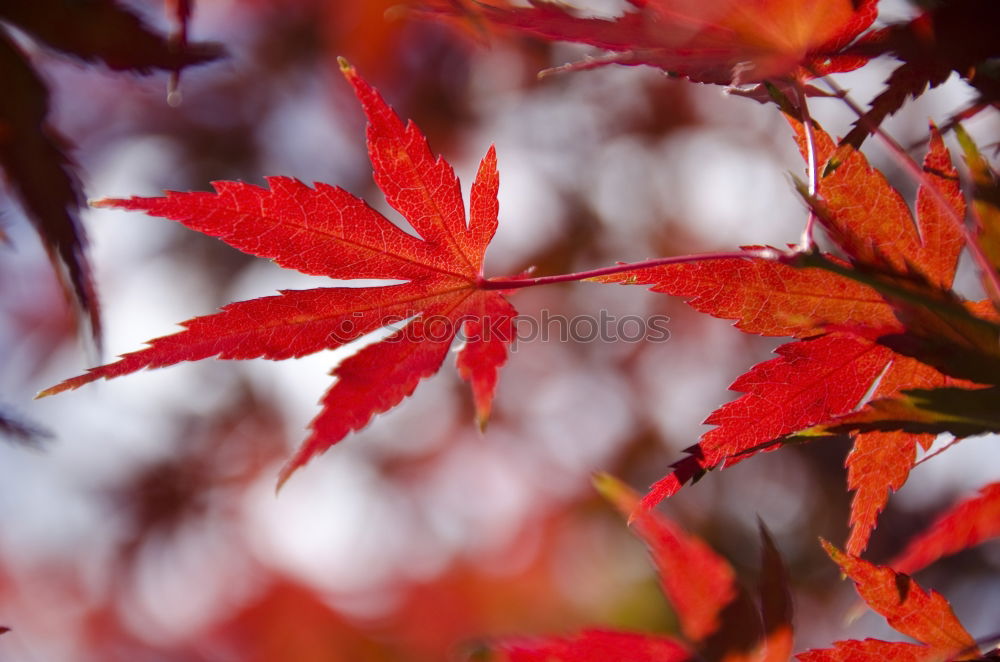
327 231
964 525
923 615
707 41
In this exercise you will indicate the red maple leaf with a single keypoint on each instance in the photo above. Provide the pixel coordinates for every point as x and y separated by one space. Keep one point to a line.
838 361
964 525
328 232
708 41
923 615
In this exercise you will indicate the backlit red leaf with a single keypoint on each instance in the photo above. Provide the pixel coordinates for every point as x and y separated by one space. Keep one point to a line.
811 380
870 221
922 615
880 462
326 231
764 296
964 525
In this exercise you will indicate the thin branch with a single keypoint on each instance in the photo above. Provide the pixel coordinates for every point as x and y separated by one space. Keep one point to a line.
938 451
807 243
514 283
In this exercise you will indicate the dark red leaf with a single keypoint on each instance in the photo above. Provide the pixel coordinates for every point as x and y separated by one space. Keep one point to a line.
955 36
103 30
33 155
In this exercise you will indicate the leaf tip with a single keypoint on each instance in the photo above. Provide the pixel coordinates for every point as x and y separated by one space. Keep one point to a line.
283 476
482 421
616 492
52 390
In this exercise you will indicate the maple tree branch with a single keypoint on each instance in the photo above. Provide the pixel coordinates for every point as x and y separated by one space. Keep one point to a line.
514 283
913 168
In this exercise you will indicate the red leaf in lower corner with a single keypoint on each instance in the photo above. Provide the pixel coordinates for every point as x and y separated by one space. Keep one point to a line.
326 231
964 525
922 615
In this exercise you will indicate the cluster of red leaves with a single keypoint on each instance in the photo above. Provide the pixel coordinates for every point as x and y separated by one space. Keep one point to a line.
882 347
840 323
719 621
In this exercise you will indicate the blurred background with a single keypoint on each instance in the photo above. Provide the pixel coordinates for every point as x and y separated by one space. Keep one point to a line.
146 526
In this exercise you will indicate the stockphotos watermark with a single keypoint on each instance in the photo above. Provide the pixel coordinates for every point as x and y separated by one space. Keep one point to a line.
545 327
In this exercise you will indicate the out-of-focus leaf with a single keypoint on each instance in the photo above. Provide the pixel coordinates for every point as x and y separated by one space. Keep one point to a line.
712 41
14 428
34 158
697 581
965 524
598 646
103 30
776 607
986 200
925 616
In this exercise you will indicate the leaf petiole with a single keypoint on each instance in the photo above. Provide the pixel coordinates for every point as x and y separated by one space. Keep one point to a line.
515 283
